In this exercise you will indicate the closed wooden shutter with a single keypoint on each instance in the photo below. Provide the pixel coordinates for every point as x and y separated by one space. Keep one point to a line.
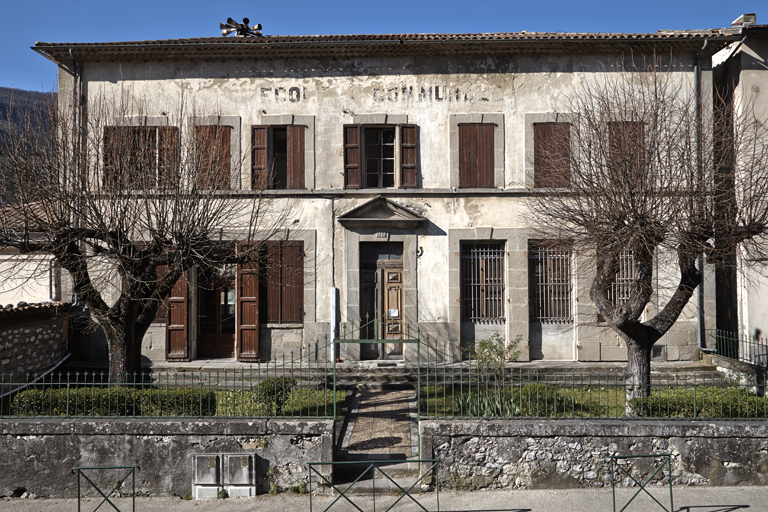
111 157
353 137
168 156
296 156
248 310
551 154
259 157
409 172
274 274
293 282
176 330
214 156
476 160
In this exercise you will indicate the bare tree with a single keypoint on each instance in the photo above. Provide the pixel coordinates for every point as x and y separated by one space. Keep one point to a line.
126 208
646 171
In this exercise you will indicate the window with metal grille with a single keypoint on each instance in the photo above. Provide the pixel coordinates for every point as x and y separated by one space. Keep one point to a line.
482 282
621 287
550 284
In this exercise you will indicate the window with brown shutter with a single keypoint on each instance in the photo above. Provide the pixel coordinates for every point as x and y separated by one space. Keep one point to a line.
369 156
282 291
213 156
168 157
139 157
626 143
277 157
476 159
551 155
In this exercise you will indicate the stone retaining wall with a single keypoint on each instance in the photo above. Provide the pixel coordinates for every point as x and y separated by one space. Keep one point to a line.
40 454
31 340
531 454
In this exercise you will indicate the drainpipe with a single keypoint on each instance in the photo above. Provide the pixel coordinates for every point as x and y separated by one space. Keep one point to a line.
76 133
700 320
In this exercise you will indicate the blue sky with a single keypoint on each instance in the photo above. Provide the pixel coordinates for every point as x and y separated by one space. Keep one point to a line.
26 21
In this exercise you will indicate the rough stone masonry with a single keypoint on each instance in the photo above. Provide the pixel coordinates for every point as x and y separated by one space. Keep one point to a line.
526 454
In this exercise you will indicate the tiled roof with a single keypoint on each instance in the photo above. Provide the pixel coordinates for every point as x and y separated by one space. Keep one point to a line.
373 44
490 36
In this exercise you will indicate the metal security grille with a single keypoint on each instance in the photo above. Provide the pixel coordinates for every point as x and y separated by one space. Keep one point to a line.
482 283
550 284
621 290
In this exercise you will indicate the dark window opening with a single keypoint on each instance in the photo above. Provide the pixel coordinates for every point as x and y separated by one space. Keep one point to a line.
379 157
279 175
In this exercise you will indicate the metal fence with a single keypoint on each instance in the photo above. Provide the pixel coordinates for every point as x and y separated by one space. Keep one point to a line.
297 385
747 349
490 388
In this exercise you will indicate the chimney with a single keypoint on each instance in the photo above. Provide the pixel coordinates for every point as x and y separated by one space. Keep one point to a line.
745 20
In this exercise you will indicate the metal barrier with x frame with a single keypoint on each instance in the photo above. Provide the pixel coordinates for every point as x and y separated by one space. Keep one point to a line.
374 466
131 473
667 460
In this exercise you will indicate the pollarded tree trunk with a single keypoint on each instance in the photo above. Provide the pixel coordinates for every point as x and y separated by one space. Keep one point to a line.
124 336
638 383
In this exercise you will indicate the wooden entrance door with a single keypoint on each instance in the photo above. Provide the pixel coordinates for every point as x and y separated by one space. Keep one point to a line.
216 313
392 311
381 287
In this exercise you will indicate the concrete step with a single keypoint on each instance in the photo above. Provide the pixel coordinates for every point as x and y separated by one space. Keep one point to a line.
403 473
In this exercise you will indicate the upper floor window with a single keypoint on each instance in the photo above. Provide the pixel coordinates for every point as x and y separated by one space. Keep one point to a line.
370 156
140 157
476 155
213 156
551 155
277 157
626 145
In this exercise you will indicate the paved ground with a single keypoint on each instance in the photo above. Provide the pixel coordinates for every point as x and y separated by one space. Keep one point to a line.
687 499
380 425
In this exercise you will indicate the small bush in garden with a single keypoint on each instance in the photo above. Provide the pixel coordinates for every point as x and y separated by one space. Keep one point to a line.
275 390
492 354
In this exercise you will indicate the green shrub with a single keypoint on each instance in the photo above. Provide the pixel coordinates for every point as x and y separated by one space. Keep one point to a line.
702 402
530 400
313 402
178 402
114 401
275 390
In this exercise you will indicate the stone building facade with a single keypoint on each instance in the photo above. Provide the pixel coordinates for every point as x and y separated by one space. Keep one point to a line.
408 160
